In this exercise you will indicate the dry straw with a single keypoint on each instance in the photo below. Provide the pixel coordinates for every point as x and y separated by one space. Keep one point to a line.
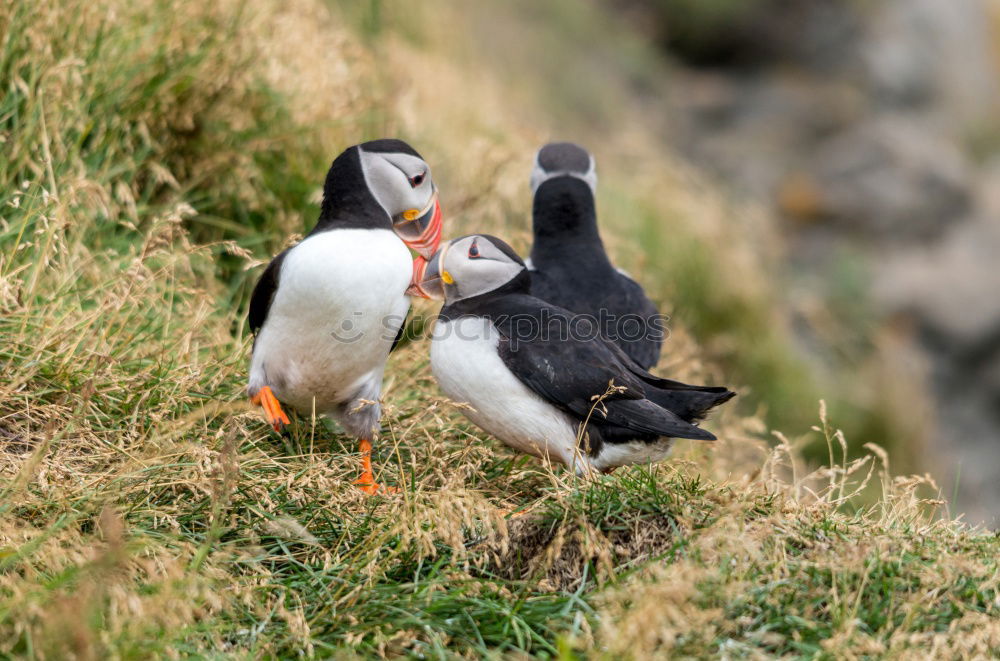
146 510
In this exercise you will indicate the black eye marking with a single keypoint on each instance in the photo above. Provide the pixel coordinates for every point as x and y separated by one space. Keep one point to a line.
474 251
418 179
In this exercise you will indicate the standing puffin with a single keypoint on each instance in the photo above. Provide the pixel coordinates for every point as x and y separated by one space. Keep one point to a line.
327 311
534 373
568 264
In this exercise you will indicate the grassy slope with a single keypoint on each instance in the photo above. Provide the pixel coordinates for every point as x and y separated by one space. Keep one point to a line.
149 154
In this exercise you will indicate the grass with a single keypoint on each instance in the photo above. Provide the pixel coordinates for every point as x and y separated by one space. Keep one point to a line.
152 157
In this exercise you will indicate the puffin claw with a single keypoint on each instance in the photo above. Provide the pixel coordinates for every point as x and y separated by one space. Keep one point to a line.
276 417
366 482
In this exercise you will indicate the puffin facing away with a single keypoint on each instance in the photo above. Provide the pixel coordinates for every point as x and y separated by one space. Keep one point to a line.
327 311
569 267
535 373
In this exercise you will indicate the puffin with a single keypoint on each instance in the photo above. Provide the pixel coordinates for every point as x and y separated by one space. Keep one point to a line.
541 378
327 311
568 264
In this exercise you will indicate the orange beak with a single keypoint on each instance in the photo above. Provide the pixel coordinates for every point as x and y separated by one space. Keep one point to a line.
419 266
427 281
421 230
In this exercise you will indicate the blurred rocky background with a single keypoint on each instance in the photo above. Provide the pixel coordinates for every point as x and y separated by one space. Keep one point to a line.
872 129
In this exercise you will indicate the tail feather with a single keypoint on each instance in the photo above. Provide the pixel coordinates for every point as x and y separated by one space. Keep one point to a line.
645 417
690 405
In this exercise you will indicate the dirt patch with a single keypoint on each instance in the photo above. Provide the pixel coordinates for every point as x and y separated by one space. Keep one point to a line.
560 553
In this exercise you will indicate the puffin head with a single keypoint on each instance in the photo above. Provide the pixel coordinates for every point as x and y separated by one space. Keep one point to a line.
400 181
469 266
563 159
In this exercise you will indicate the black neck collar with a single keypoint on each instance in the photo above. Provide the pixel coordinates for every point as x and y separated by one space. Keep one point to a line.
347 201
564 219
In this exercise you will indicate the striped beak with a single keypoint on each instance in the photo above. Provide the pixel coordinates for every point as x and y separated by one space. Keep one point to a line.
427 281
420 229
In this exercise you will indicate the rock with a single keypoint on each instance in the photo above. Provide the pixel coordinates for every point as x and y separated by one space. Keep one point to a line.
991 381
952 288
968 452
749 33
988 188
754 130
921 52
890 178
856 121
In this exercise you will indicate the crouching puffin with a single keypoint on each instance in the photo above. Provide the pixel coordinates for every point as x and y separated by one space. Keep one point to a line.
539 377
568 264
327 311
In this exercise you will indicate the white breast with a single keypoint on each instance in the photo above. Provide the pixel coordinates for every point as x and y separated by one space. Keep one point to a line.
613 455
468 368
340 300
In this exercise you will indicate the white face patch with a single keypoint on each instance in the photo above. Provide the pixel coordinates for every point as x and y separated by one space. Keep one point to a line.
400 182
540 175
475 266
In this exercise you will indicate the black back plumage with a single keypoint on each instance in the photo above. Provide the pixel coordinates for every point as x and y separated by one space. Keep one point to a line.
571 269
347 201
263 293
544 348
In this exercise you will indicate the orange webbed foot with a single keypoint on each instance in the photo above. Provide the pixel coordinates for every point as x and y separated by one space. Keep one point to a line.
366 482
368 485
272 409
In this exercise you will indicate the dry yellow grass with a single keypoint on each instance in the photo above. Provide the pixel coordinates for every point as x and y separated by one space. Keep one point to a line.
152 157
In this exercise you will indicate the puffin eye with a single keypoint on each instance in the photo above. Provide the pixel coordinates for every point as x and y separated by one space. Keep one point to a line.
474 251
418 179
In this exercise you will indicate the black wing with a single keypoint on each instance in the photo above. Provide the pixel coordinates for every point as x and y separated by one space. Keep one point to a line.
690 403
632 300
400 333
263 293
570 370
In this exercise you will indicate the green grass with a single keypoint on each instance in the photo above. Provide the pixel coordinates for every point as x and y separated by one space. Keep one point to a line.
152 156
